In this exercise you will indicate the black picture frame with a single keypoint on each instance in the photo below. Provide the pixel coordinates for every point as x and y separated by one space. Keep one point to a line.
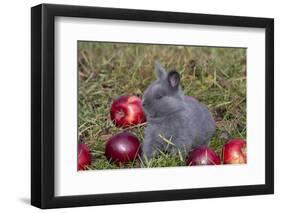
43 117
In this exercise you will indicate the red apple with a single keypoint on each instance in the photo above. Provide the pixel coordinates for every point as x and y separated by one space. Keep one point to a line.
122 148
127 111
234 152
203 155
84 156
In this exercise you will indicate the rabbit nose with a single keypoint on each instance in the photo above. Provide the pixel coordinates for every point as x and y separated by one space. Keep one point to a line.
144 103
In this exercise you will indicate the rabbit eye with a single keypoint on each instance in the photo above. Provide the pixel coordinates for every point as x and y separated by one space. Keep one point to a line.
159 97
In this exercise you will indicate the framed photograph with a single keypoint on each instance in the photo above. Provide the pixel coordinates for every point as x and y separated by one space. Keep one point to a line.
139 106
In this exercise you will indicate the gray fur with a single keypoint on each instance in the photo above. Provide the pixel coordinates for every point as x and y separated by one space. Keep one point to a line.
181 119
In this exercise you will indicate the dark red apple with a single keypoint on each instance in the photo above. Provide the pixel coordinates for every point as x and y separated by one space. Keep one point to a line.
203 155
127 111
122 148
234 152
84 156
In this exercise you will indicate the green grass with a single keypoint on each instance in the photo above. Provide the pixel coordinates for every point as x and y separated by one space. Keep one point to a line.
215 76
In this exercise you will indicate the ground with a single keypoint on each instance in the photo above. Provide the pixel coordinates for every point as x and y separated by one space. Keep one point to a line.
214 76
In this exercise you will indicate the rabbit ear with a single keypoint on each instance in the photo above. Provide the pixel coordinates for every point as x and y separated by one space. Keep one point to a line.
174 79
160 71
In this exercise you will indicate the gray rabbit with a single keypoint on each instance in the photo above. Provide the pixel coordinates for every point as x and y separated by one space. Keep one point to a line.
175 122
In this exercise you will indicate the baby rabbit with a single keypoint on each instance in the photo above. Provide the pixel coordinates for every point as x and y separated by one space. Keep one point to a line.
180 119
